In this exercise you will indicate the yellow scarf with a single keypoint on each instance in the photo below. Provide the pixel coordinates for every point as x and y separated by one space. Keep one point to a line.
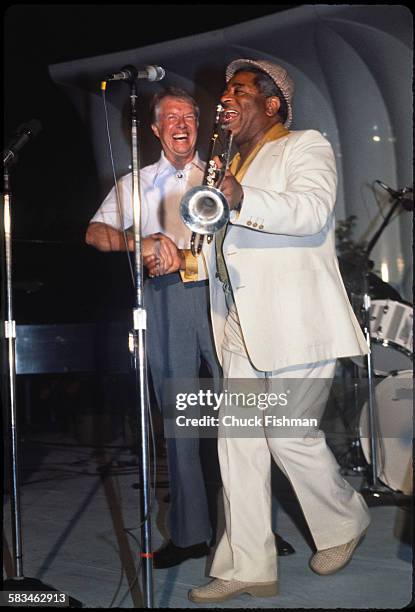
277 131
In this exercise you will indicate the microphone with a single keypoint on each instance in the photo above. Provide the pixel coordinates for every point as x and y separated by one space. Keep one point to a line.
404 195
130 73
23 134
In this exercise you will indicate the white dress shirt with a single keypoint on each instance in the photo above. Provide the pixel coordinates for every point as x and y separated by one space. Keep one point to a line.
162 188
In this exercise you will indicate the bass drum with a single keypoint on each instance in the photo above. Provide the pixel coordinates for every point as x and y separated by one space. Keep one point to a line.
393 414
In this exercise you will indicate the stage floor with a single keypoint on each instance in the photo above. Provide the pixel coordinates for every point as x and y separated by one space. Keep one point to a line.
80 529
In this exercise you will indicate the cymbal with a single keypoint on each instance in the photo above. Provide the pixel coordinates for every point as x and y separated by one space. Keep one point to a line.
353 278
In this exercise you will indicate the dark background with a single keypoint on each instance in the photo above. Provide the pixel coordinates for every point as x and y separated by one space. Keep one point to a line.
54 184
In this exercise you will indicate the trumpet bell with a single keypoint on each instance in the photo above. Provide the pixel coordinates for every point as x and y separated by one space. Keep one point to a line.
204 210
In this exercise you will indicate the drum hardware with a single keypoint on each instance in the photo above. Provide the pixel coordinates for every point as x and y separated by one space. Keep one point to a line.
352 461
357 452
391 335
374 488
356 447
394 403
378 289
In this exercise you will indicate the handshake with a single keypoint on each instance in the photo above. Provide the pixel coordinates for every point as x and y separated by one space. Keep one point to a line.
161 255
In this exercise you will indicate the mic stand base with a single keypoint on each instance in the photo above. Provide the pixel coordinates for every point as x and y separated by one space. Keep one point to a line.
25 584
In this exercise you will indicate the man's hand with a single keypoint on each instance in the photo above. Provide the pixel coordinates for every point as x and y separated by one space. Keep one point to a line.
231 189
161 255
106 238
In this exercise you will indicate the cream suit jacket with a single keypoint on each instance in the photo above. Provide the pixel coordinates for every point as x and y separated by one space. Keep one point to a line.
281 259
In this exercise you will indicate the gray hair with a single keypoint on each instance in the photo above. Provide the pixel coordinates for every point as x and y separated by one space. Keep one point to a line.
170 92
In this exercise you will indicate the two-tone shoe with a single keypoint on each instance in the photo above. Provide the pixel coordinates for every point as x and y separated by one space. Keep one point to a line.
331 560
218 590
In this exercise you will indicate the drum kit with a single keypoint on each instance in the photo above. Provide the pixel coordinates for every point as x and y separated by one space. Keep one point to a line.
389 435
385 432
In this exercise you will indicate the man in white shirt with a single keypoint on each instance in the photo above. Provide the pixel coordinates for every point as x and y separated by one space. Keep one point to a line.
179 334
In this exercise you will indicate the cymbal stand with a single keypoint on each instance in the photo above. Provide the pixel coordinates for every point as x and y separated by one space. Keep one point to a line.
374 488
373 481
356 447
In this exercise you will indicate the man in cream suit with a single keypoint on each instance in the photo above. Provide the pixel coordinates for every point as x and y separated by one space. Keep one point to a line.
279 312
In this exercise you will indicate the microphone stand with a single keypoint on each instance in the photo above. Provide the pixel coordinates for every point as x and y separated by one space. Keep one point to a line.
140 364
19 582
374 489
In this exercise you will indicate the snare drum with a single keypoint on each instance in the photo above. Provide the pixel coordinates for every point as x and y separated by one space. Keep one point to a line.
393 414
391 336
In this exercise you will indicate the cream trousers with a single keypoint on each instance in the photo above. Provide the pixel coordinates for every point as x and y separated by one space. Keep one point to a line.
334 511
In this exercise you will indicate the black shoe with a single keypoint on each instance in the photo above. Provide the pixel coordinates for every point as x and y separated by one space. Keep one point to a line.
170 555
284 548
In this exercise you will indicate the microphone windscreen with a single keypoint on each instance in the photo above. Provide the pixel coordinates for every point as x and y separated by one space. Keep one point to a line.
32 128
155 73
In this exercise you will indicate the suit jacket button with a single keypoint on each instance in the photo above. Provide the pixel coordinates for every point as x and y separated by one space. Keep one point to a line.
249 222
260 226
255 225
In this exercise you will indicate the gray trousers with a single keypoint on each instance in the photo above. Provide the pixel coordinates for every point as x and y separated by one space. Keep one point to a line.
178 337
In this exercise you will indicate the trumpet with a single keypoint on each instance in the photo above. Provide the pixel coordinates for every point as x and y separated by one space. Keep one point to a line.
204 209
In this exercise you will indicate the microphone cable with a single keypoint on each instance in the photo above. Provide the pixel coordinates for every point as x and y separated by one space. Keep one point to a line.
117 193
